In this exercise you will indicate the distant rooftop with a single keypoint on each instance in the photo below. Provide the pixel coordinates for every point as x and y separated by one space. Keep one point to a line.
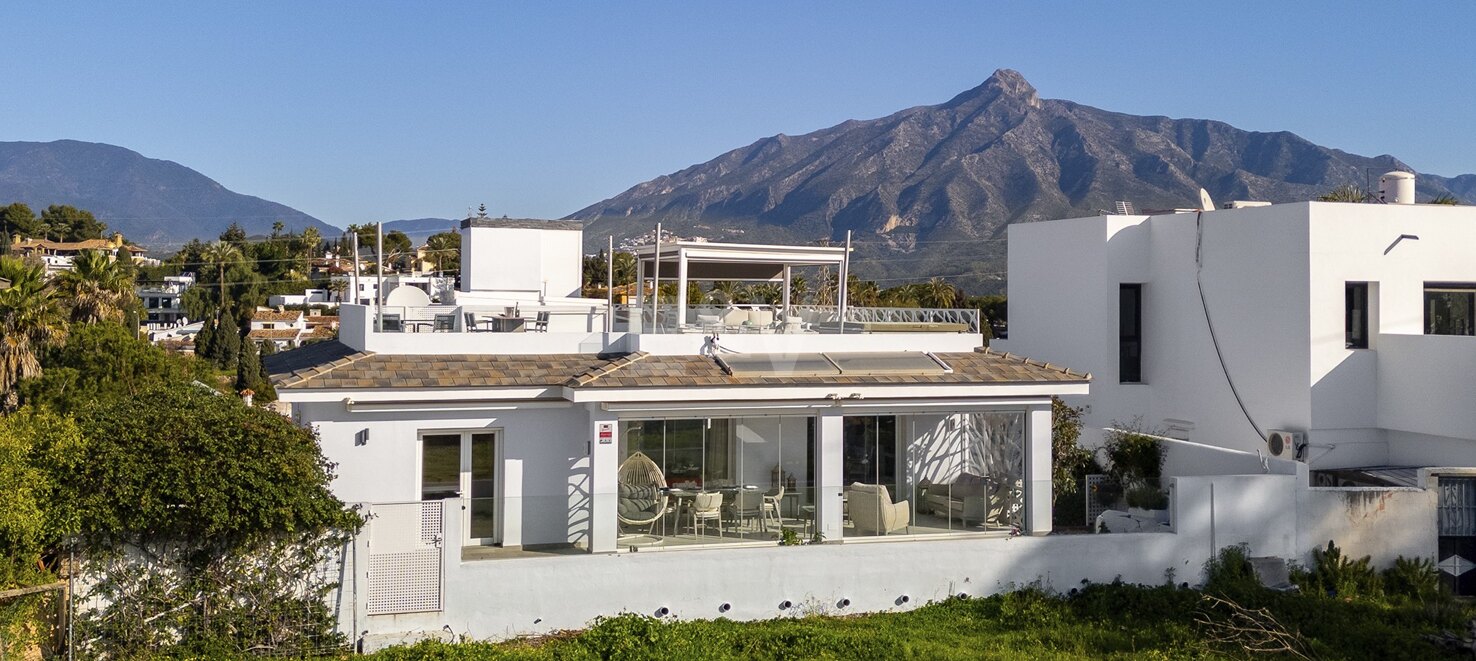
523 224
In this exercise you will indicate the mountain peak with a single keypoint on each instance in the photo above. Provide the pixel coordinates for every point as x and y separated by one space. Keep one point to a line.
1003 83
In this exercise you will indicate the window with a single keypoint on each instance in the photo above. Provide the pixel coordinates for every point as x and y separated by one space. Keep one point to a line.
1450 308
1355 315
1130 333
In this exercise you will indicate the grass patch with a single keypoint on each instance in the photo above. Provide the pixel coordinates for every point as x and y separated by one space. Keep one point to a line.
1114 621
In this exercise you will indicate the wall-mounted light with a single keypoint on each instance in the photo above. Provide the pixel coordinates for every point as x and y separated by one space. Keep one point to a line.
361 437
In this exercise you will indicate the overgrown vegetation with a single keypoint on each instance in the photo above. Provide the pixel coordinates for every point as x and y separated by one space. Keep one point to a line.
198 525
1109 621
1070 464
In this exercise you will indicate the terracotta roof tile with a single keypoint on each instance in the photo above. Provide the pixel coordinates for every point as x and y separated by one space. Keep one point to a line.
333 365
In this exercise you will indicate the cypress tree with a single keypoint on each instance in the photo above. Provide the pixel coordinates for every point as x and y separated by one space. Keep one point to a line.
248 368
227 341
265 391
205 340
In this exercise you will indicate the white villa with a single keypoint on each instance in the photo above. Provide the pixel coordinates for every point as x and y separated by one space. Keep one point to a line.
1335 334
529 459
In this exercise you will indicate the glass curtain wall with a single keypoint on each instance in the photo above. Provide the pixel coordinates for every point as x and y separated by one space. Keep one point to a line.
937 473
714 480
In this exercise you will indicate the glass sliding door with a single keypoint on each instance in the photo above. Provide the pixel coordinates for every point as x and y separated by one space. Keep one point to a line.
715 480
481 475
875 502
463 465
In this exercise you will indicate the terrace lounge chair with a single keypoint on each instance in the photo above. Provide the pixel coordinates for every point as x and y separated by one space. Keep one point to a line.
642 492
872 510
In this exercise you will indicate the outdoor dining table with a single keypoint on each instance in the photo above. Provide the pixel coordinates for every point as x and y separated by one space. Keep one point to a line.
500 323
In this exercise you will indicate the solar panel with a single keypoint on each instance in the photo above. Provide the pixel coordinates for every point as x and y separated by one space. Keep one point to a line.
893 362
778 364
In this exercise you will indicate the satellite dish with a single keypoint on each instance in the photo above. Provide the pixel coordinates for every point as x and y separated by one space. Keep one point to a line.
1205 203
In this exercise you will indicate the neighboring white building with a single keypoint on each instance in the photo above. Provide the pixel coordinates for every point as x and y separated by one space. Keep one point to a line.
1348 323
162 300
308 297
529 460
284 328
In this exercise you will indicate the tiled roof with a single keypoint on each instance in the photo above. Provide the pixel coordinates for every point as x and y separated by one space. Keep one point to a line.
68 246
274 333
273 315
322 319
334 365
977 367
337 366
323 332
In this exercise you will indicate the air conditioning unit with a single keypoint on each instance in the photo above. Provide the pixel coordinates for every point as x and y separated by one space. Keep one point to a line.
1285 444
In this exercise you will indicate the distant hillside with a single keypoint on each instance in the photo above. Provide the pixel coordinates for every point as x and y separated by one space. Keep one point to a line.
158 204
929 190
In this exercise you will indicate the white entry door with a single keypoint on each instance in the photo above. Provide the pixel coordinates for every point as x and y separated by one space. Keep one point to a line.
463 464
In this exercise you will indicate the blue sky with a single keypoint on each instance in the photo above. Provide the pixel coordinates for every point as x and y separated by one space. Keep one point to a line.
363 111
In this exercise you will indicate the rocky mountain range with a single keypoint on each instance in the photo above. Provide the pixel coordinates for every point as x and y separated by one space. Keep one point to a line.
158 204
929 190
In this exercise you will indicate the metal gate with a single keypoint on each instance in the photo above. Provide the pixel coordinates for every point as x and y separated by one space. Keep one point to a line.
1457 542
405 572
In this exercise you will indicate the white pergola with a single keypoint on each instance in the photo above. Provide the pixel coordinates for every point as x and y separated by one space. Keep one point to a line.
697 260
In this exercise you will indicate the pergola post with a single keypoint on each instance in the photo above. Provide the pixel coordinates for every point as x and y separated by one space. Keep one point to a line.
787 279
681 287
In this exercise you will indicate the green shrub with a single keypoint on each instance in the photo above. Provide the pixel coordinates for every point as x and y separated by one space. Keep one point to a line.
1416 578
1148 497
1337 575
1135 455
1230 572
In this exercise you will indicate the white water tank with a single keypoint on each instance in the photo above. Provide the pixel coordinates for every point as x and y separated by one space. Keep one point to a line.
1397 188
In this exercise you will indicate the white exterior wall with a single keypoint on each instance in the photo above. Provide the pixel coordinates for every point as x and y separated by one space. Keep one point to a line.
522 261
506 598
1273 280
543 470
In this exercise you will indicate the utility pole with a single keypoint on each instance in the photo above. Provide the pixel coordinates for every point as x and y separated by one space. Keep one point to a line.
379 277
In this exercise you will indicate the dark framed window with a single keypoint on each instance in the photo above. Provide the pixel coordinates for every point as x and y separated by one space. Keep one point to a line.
1450 308
1355 314
1130 333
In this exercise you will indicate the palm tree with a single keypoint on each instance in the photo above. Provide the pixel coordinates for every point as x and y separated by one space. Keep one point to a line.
1344 193
97 287
30 321
936 293
726 291
798 288
222 254
446 248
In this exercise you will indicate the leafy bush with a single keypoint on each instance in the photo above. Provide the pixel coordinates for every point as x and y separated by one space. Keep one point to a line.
1230 572
1148 497
1134 455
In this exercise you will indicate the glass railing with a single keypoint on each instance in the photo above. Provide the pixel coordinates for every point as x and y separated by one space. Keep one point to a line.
798 319
1137 505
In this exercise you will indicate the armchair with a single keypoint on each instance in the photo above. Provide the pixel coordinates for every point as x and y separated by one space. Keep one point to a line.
872 510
